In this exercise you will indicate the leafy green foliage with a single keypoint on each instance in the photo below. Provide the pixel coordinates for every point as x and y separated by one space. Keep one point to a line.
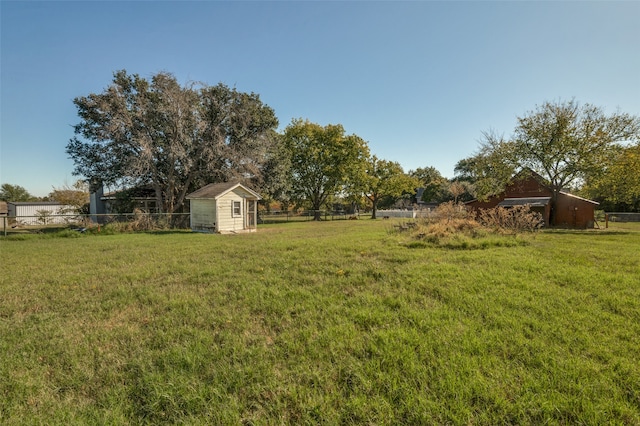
76 197
324 161
173 138
564 141
434 184
492 167
15 193
618 186
386 179
274 181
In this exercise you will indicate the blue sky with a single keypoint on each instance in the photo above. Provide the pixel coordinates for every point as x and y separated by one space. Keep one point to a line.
420 81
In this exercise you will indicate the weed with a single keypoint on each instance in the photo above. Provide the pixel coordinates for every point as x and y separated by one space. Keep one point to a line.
452 226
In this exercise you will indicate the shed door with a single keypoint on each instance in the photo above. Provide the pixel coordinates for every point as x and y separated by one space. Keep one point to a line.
251 214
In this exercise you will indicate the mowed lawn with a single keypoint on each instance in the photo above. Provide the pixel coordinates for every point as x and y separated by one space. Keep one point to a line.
320 323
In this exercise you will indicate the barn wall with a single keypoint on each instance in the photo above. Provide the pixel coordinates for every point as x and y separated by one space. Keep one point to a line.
571 211
526 188
574 212
203 215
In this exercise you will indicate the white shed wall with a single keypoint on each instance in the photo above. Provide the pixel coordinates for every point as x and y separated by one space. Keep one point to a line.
226 220
203 215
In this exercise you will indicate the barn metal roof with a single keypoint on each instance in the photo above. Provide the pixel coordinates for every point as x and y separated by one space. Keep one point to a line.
35 203
530 201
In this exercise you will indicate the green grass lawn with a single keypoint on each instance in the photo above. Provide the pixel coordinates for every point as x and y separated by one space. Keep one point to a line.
341 322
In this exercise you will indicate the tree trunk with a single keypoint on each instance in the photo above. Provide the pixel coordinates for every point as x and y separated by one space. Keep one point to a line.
317 201
159 200
554 208
374 205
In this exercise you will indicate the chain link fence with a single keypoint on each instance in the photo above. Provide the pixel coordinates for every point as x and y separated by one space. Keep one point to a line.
138 221
265 217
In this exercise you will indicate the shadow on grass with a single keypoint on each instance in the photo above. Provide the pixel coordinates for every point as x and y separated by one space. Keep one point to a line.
168 232
588 232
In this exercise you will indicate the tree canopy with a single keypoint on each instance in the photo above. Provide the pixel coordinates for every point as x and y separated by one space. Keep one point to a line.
491 168
434 184
386 179
324 161
564 142
75 196
15 193
174 138
618 186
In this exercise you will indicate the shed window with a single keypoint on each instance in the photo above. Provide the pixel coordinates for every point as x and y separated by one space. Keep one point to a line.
236 208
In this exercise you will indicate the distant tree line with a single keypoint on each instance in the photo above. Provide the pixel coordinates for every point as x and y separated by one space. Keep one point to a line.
175 139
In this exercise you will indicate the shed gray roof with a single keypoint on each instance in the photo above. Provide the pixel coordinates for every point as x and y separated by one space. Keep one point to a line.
215 190
531 201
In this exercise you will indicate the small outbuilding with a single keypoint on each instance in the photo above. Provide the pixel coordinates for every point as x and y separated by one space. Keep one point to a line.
529 188
40 212
228 207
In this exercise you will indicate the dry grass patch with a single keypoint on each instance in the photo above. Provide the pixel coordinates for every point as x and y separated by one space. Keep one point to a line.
453 226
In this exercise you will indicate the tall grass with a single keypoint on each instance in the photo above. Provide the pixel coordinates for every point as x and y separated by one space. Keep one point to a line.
331 322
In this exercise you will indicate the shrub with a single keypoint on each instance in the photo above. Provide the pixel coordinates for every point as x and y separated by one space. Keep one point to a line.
513 220
450 221
451 225
450 211
43 216
67 233
141 221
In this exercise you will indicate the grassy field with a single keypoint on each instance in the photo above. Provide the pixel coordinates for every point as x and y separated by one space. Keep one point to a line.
342 322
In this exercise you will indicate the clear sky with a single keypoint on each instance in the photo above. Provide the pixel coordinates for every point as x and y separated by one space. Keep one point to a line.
419 80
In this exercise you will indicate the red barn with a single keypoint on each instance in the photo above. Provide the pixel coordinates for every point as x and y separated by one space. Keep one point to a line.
529 188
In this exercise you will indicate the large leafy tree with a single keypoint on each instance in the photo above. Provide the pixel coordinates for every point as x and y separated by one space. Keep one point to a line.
490 169
75 196
386 179
618 186
564 142
275 180
174 138
9 192
434 184
324 161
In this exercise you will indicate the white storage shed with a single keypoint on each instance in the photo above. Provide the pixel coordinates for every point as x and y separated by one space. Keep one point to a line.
228 207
